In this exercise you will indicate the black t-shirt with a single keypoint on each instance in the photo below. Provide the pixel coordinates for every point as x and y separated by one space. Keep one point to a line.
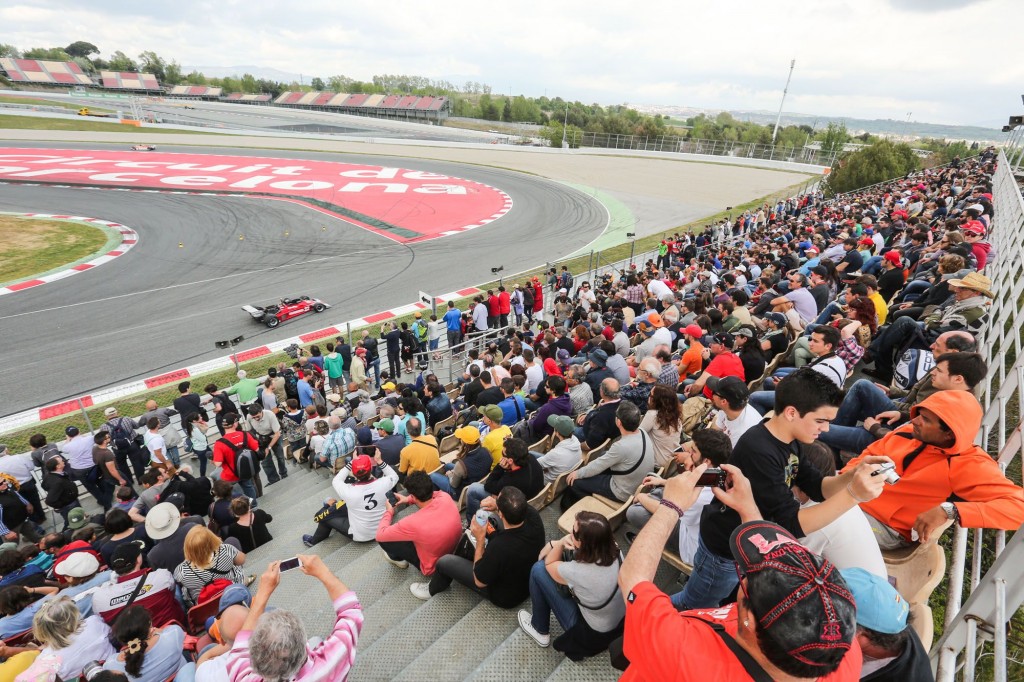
370 344
772 467
471 390
778 342
189 404
529 479
489 396
912 665
889 282
753 364
600 424
391 448
507 561
853 259
820 294
256 535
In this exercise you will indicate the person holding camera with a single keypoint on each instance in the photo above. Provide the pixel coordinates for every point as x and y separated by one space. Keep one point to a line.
267 429
577 579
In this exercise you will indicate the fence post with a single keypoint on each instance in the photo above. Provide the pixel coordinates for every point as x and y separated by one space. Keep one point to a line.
88 422
348 332
590 263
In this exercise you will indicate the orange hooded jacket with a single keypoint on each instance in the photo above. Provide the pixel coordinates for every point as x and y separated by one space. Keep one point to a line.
963 474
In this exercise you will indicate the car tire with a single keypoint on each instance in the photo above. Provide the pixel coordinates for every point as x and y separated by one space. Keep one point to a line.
319 307
273 322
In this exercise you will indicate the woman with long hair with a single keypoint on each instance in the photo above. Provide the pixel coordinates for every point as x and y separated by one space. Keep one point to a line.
195 433
663 422
577 579
59 627
207 559
250 526
147 654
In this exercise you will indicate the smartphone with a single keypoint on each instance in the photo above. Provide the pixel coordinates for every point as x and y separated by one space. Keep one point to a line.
289 564
712 478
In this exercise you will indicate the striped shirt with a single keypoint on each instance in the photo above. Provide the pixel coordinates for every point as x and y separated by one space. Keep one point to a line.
331 661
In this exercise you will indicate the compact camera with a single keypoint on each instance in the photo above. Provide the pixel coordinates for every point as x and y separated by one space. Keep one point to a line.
712 478
888 470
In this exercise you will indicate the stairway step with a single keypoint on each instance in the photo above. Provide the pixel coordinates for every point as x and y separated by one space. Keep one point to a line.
594 669
457 652
521 654
407 637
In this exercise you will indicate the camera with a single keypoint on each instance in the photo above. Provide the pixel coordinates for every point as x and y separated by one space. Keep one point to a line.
90 669
712 478
888 470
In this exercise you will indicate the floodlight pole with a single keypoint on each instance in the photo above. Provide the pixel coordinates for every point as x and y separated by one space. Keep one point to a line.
565 125
784 91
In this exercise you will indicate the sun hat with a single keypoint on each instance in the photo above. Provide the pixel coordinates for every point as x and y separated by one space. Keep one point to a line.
162 520
976 282
77 565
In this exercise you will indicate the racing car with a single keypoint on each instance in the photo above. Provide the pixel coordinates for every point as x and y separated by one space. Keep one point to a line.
142 147
273 315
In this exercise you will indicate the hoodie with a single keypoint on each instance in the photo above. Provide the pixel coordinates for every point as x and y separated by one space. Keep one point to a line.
963 474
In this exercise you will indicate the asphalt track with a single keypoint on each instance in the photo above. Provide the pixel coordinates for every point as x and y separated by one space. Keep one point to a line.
164 306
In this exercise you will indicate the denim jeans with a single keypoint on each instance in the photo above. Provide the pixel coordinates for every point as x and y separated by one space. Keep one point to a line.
713 579
546 597
375 366
892 340
863 400
442 483
849 438
277 452
762 401
474 495
203 456
247 488
779 374
174 456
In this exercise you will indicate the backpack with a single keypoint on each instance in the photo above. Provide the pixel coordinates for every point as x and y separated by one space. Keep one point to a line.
528 298
246 461
566 281
913 365
291 385
421 333
198 493
408 341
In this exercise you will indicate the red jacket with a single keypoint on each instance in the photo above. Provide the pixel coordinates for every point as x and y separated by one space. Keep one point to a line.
504 303
983 496
538 298
493 306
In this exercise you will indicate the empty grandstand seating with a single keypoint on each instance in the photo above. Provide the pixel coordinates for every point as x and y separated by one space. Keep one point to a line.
44 72
246 98
386 106
201 91
128 80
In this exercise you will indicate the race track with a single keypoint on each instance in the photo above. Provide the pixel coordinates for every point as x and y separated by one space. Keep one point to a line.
163 306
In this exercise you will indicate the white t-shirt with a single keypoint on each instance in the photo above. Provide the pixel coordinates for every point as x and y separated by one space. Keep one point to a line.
847 542
834 368
365 501
734 428
434 330
534 375
317 443
689 526
658 289
154 442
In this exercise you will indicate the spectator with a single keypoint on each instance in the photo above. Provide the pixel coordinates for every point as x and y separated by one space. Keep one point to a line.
250 526
619 471
120 530
425 536
338 446
61 491
422 453
363 486
494 432
19 605
598 425
77 450
154 482
812 638
168 528
723 363
565 453
60 629
171 436
662 421
472 463
148 654
272 646
388 442
735 416
580 396
82 574
207 559
264 425
196 429
500 567
516 468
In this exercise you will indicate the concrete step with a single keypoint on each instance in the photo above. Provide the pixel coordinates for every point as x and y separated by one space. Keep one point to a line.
458 651
519 657
593 669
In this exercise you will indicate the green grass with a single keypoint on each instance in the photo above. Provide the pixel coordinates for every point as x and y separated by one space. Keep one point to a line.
36 123
7 99
33 246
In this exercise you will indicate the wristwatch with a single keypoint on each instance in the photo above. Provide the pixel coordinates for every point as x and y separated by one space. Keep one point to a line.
951 512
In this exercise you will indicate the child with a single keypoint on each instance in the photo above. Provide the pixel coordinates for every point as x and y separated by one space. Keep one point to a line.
125 497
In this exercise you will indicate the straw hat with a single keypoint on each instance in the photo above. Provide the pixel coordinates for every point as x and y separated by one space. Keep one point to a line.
976 282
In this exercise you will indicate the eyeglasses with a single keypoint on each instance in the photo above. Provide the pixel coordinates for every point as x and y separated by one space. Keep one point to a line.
741 576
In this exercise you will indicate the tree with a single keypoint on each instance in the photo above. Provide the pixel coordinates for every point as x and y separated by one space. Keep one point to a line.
248 83
340 84
172 73
9 51
150 62
119 61
56 54
506 110
882 161
834 139
195 78
318 83
80 48
84 64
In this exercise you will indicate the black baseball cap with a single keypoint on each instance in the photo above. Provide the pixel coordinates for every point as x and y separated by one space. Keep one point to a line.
731 388
800 600
125 555
724 338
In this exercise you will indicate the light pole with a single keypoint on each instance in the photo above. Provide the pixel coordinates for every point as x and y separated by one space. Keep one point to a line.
784 91
565 126
230 344
632 246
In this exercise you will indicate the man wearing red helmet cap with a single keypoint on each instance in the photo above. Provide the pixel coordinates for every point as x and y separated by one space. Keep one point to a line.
974 234
363 486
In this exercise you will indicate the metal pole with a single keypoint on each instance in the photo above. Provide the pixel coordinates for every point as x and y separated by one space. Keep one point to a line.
632 246
234 358
778 118
999 664
88 422
348 332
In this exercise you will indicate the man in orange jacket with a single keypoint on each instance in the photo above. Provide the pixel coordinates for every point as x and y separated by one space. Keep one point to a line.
944 476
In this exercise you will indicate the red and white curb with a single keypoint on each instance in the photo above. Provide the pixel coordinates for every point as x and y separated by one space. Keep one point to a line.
129 238
34 416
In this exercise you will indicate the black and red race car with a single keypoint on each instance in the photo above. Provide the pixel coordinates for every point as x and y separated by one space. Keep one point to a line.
273 315
142 147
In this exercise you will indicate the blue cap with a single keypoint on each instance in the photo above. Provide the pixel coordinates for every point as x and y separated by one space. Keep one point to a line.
879 606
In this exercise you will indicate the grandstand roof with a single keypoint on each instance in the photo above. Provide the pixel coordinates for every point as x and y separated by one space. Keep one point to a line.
195 91
44 72
128 80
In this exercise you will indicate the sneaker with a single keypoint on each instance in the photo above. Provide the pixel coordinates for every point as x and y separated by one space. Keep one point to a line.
524 622
307 540
249 580
420 590
396 562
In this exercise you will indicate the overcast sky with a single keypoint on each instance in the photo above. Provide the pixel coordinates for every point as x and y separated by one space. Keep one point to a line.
943 61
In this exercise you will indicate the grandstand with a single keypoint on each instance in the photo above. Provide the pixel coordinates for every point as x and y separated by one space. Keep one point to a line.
39 72
195 91
129 80
247 98
408 107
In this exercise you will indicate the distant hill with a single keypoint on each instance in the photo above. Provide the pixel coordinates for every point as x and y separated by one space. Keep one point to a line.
856 126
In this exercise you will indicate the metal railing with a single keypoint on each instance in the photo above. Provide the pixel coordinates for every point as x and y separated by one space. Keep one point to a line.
1000 342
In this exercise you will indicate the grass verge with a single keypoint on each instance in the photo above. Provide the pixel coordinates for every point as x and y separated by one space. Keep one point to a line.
32 246
39 123
36 102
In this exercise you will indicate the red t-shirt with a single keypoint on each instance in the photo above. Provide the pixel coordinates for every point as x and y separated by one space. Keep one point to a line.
724 365
662 645
225 456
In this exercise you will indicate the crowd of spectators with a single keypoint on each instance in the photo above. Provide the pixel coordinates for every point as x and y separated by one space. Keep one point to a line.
711 399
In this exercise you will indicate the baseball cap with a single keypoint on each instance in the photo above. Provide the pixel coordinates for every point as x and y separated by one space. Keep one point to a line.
812 249
879 606
800 600
364 435
163 519
724 338
562 424
418 315
361 465
654 319
233 594
110 412
77 518
468 434
778 318
71 431
731 388
973 227
893 257
125 555
492 412
868 241
385 425
598 357
693 330
743 331
388 386
563 356
177 499
79 565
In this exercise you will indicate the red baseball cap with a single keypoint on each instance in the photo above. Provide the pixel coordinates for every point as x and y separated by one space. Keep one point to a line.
893 257
361 465
693 330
